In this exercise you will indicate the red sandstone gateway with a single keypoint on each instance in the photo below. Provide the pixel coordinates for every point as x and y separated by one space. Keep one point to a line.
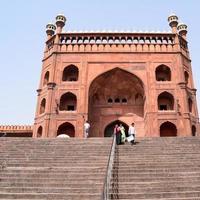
116 77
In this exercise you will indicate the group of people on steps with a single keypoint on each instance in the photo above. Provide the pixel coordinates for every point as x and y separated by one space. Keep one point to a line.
120 133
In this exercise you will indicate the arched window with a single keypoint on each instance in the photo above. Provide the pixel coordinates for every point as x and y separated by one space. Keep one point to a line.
117 100
124 100
39 132
110 100
70 73
193 130
66 128
46 78
168 129
163 73
165 101
190 104
68 102
42 106
186 77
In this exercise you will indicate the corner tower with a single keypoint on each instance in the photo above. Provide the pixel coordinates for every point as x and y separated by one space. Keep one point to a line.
116 77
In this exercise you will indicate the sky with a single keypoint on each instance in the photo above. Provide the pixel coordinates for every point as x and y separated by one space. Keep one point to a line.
23 37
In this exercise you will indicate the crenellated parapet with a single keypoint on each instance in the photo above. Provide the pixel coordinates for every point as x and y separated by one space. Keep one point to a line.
16 128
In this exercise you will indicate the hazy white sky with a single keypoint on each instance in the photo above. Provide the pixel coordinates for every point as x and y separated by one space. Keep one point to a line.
23 35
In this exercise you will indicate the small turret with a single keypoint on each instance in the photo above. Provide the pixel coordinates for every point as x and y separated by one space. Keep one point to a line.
182 30
173 22
50 30
60 22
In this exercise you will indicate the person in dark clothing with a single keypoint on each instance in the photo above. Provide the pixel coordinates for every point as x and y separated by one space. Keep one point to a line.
117 132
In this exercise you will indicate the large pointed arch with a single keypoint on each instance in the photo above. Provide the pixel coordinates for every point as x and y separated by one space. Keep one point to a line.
114 94
117 68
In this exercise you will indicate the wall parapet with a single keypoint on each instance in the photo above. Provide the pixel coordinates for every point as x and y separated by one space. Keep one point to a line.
113 42
16 128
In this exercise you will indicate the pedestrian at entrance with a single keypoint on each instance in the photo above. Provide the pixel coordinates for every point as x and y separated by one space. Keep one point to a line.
117 132
86 129
123 134
131 133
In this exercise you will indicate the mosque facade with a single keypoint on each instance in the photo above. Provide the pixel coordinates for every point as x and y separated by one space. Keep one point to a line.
116 77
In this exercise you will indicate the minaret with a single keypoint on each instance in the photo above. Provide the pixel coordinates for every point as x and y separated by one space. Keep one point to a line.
60 22
50 30
173 22
182 30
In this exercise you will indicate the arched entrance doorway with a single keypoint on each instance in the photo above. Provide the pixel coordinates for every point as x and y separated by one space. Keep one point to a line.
66 128
108 132
193 130
168 129
114 95
39 131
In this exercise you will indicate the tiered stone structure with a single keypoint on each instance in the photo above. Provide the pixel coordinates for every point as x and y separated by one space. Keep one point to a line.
116 77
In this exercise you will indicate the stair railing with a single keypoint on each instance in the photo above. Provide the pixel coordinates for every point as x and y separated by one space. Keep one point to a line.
106 186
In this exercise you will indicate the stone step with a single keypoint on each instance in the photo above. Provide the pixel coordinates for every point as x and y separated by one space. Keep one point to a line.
157 184
61 162
158 167
60 190
44 180
72 184
97 174
163 174
148 189
51 176
161 195
132 180
63 169
187 198
128 170
69 196
28 164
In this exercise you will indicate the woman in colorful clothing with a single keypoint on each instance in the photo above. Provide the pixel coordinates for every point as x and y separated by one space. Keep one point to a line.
123 134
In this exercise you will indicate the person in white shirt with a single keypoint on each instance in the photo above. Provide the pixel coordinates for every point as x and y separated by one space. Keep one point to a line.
86 129
132 132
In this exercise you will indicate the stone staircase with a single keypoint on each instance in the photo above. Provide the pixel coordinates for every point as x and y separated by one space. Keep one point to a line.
75 169
157 168
53 169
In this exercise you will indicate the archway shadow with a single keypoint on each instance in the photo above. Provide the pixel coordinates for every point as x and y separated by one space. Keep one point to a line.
108 132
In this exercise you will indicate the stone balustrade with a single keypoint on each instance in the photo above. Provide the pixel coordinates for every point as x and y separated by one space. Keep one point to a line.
114 42
116 38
